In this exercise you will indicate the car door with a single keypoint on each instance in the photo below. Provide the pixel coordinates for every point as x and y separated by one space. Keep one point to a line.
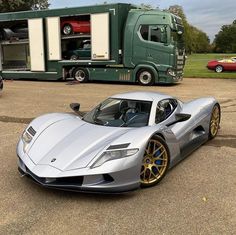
230 66
181 126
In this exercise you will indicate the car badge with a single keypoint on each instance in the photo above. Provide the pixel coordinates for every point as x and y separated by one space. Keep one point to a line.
53 160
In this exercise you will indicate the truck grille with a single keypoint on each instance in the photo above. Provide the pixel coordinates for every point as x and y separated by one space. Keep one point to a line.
180 62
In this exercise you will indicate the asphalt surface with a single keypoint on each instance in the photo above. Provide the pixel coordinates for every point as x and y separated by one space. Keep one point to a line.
198 196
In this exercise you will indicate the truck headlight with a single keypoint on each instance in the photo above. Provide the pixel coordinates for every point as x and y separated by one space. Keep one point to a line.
112 155
26 138
171 72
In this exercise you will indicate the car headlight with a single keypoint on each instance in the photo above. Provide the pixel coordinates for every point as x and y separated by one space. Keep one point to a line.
112 155
26 138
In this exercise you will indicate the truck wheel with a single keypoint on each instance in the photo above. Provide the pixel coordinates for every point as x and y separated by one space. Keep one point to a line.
145 77
219 69
67 29
81 75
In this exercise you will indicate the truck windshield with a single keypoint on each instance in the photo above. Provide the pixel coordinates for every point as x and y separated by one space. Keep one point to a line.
120 113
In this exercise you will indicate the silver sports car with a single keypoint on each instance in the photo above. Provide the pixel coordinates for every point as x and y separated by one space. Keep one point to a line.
127 141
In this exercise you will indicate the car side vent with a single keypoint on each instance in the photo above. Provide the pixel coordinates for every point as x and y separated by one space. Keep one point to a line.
31 130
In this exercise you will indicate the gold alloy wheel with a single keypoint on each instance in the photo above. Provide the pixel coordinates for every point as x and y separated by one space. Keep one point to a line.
155 163
215 121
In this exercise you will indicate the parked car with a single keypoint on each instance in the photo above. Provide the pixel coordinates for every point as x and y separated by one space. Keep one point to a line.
16 32
1 84
70 26
83 52
127 141
222 65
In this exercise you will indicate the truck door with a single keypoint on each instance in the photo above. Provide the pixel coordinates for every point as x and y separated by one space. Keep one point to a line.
158 50
53 38
36 43
150 44
150 41
100 36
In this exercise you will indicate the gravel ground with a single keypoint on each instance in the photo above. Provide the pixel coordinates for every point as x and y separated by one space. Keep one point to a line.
198 196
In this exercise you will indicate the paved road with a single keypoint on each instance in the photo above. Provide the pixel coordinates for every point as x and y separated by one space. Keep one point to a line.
198 196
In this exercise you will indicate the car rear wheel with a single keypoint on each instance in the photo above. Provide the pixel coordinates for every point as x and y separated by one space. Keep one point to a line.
219 69
145 77
81 75
214 121
155 162
67 29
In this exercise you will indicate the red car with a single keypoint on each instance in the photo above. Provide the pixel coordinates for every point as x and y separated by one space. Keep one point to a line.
70 26
222 65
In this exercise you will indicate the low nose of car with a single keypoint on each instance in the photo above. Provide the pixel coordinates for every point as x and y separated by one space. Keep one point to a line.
75 149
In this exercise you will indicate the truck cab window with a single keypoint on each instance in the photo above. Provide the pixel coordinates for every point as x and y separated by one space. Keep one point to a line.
144 32
158 34
154 33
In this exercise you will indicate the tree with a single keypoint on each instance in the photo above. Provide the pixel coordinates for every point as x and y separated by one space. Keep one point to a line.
22 5
196 41
225 40
146 6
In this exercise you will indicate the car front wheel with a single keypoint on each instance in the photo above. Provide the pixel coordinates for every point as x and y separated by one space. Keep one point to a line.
219 69
74 57
155 162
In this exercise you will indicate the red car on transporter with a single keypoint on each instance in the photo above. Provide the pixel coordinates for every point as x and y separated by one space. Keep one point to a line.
70 26
222 65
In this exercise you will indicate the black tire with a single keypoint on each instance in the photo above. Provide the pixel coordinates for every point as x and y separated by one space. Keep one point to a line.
158 162
219 69
67 29
81 75
145 77
214 124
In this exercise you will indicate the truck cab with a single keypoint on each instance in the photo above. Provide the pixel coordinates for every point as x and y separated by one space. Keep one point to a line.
153 46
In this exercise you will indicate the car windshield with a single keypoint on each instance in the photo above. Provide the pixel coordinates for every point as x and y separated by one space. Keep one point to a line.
120 113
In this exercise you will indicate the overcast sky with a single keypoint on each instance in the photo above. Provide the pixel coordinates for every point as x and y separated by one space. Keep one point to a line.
207 15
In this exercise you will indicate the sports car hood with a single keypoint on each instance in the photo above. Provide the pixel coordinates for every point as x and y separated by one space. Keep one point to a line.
72 143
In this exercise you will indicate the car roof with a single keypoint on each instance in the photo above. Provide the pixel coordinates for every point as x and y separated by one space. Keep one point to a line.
142 95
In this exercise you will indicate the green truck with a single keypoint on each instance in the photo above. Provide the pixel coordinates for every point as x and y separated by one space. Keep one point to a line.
127 44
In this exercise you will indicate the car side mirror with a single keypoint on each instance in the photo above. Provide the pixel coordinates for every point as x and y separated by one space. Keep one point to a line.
75 107
179 117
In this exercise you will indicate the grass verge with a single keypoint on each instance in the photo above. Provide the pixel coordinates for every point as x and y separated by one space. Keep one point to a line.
196 66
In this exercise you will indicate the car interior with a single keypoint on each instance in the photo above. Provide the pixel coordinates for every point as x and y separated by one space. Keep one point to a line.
164 109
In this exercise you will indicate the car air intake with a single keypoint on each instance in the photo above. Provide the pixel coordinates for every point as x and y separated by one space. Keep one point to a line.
31 130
